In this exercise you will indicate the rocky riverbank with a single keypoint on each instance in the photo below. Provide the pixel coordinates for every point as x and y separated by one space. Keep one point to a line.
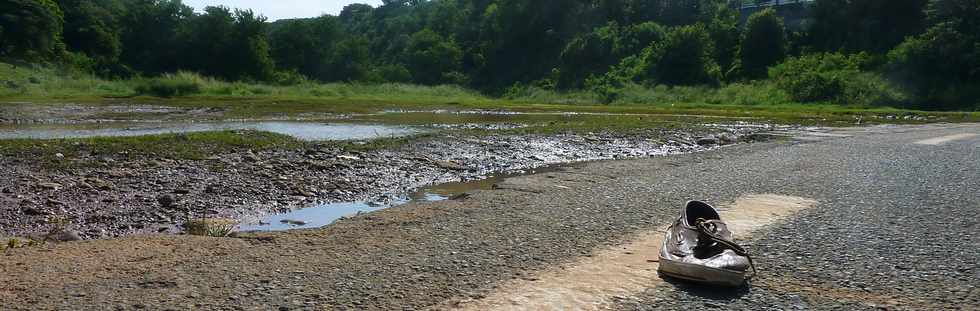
122 196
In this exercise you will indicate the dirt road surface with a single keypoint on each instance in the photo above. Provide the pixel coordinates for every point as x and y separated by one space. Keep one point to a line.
866 218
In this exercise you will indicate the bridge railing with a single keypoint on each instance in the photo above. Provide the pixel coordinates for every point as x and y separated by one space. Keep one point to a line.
762 4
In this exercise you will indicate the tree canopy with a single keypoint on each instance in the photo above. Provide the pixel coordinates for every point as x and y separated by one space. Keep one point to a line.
928 46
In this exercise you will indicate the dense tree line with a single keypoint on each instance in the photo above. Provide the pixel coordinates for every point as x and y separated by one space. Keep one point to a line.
928 46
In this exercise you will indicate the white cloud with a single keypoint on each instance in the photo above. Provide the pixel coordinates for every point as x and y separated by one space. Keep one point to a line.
281 9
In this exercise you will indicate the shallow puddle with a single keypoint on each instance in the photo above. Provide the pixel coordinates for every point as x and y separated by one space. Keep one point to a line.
504 119
325 214
312 131
312 217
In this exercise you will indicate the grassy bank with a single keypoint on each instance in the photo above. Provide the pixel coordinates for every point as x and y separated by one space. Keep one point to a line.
64 153
251 100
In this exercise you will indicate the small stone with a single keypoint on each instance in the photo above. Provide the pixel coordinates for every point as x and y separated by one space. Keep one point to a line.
707 141
166 200
50 185
59 155
293 222
450 165
99 183
728 138
63 236
35 211
250 157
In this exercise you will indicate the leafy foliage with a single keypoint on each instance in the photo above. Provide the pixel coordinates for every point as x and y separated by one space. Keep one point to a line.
30 29
942 66
606 47
683 58
864 25
763 44
595 52
833 77
170 85
432 58
92 28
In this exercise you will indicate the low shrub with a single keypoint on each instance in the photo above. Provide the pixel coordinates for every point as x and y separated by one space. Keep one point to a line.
682 58
172 85
834 77
288 78
212 227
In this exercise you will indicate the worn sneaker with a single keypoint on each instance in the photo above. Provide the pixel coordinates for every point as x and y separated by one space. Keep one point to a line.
699 247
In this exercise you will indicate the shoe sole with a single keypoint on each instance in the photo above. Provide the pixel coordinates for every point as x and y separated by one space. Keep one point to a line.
699 273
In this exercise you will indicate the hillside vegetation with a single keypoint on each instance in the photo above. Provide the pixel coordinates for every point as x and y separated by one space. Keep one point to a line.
858 53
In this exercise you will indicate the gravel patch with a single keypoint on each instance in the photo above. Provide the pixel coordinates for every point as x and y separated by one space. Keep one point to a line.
121 196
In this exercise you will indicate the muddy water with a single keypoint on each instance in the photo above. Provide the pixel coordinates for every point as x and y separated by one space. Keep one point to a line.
325 214
355 127
313 131
313 217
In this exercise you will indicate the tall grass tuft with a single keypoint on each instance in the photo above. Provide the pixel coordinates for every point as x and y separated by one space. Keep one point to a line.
171 85
212 227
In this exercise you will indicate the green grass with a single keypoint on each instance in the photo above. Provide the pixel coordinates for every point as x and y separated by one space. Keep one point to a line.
244 100
191 146
210 227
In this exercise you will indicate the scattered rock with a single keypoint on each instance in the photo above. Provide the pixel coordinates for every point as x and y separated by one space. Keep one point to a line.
33 211
166 200
283 179
293 222
727 138
707 141
99 183
304 193
63 235
50 185
450 165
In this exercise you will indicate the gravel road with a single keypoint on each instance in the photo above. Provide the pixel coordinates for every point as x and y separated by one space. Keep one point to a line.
894 228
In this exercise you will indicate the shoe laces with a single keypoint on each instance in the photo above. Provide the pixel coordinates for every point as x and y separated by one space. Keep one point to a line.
707 238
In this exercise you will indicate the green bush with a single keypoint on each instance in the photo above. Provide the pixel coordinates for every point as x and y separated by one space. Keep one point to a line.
392 74
683 58
763 44
607 88
289 77
940 67
833 77
171 85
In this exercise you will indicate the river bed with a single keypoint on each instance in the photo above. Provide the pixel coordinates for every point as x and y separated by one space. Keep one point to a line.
309 131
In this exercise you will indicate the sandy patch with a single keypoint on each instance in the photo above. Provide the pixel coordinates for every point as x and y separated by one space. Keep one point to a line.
625 269
944 139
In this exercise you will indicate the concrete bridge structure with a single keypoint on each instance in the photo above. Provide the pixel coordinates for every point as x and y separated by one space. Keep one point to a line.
794 12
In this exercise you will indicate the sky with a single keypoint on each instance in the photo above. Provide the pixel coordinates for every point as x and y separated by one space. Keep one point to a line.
282 9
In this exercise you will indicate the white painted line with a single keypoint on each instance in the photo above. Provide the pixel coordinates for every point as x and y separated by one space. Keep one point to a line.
623 270
945 139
